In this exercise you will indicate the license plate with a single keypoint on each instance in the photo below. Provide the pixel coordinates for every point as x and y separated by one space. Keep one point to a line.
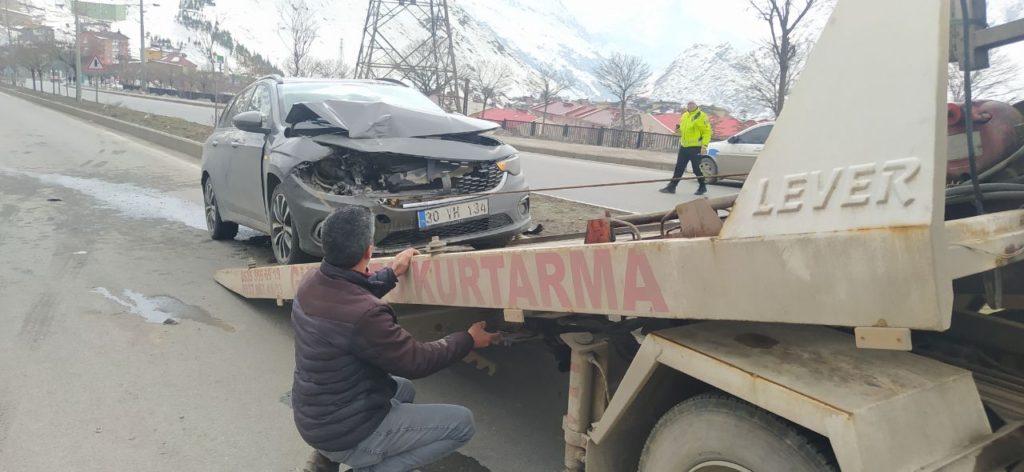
451 213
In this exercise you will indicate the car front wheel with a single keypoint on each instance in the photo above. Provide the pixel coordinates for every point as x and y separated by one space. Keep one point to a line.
708 166
218 228
283 237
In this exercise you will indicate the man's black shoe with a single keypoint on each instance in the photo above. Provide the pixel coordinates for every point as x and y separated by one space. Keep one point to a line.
701 190
667 190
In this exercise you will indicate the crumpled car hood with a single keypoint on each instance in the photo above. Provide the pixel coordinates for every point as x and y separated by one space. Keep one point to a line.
382 120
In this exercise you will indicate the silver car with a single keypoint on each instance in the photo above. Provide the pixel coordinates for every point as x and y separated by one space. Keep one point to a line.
737 154
287 151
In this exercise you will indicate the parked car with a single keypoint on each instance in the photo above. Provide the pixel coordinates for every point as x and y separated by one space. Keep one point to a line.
737 154
286 151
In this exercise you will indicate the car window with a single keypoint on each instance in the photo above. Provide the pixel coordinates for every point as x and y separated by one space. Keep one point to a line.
757 135
261 101
237 106
297 92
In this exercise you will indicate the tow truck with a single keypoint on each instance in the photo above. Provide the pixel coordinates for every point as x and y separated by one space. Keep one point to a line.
848 309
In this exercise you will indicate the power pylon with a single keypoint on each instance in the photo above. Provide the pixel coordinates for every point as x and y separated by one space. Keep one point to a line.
427 62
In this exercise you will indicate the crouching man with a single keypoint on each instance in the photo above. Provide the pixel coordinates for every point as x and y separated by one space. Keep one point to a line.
350 394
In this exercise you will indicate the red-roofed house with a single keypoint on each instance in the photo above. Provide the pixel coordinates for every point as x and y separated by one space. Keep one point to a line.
722 126
581 114
176 59
502 114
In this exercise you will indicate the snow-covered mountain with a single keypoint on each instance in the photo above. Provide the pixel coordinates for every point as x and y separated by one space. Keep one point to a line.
708 75
523 34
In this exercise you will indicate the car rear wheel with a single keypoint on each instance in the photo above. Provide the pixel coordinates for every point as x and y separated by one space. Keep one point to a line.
708 166
284 239
717 433
218 228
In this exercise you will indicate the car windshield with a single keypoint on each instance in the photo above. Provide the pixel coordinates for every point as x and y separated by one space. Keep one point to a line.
398 95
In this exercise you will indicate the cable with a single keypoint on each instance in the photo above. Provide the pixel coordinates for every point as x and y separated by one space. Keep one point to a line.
547 189
967 63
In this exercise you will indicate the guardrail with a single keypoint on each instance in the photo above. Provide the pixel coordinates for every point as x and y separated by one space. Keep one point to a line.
593 136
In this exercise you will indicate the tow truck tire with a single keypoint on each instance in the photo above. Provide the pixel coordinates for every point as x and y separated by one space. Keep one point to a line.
715 433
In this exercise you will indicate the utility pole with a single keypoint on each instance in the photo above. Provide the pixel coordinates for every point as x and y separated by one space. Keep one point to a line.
142 47
78 53
10 41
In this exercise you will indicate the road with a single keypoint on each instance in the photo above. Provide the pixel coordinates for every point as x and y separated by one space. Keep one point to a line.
102 241
194 113
543 171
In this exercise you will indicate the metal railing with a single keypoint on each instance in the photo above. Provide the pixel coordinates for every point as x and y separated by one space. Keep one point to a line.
608 137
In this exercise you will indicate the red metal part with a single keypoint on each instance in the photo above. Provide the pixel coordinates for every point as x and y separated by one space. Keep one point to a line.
996 123
599 231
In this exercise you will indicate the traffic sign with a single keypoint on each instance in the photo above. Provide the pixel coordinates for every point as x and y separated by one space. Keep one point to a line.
95 65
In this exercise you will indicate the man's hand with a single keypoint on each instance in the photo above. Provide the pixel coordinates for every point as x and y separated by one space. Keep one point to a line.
401 263
482 338
704 150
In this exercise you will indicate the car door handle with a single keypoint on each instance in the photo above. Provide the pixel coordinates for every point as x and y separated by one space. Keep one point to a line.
235 143
758 149
214 143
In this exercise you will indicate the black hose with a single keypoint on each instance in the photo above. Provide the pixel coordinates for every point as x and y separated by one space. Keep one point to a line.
966 63
990 196
985 188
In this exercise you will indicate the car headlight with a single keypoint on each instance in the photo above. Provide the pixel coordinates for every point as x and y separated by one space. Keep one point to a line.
511 165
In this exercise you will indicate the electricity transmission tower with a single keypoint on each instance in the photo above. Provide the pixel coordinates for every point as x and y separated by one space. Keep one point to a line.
425 59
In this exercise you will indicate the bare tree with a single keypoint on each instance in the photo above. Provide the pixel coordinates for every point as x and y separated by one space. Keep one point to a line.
784 18
491 79
330 69
760 74
548 83
624 76
208 43
994 83
300 30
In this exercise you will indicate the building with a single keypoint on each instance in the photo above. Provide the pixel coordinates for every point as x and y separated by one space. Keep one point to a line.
502 114
107 46
586 115
722 125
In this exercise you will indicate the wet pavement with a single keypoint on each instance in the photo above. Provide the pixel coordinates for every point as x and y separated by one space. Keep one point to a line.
121 353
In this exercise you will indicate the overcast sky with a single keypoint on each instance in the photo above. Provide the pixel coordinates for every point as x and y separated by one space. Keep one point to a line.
659 30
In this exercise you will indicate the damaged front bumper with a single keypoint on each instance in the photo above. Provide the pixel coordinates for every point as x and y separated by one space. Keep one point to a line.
397 225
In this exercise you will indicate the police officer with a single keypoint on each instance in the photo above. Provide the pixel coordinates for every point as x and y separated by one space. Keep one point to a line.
694 135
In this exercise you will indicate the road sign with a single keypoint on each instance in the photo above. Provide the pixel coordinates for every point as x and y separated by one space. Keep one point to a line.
220 59
95 65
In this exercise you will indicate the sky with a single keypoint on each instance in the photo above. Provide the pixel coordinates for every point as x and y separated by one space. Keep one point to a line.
659 29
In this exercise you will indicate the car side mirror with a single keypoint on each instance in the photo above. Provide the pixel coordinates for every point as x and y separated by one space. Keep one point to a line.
734 139
250 121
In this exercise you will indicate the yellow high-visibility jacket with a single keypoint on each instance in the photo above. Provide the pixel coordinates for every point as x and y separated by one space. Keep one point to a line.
694 129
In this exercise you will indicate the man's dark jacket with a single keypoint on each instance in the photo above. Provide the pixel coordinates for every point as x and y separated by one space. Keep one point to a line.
347 345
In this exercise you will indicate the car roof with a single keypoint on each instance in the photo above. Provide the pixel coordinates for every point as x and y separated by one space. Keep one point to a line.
305 80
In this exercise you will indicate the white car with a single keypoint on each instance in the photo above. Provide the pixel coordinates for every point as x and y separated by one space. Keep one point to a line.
737 154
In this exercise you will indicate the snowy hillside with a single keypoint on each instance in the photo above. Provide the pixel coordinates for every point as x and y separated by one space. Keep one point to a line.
524 34
707 74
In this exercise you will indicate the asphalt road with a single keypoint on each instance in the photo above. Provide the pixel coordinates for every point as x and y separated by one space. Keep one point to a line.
194 113
102 240
544 171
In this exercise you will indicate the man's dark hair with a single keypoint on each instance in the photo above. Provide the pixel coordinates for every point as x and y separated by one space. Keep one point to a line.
348 231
